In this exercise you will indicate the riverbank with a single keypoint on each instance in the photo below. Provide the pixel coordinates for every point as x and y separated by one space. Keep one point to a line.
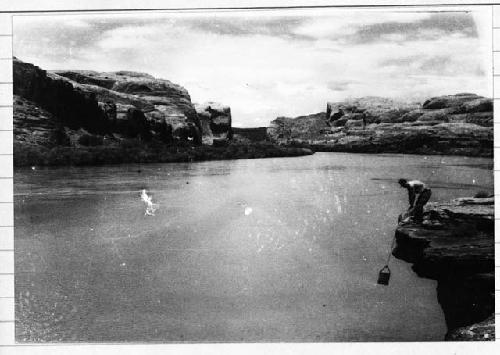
455 246
132 151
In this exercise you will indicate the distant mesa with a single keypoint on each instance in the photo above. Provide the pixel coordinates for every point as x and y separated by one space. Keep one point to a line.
251 134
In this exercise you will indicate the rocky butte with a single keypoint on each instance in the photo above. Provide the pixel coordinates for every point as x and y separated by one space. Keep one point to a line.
455 246
215 120
460 124
85 117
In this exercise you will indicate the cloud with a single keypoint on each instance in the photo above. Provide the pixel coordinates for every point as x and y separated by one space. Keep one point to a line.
422 64
436 64
268 26
433 27
340 85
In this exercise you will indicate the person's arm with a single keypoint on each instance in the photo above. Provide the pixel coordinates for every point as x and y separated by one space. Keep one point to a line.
411 196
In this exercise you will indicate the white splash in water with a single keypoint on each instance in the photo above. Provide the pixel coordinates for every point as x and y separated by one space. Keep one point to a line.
337 202
150 206
248 211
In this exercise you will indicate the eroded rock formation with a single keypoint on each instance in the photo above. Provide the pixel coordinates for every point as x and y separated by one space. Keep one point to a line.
215 121
33 125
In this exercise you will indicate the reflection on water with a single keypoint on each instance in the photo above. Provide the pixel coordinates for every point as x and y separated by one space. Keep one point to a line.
247 250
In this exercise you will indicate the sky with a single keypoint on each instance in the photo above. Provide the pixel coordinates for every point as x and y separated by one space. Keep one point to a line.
265 64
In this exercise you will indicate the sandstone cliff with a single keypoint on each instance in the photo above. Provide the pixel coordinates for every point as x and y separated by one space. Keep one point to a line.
455 246
120 104
130 96
459 124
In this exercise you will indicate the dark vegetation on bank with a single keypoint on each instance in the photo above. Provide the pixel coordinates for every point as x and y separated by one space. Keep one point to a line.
133 151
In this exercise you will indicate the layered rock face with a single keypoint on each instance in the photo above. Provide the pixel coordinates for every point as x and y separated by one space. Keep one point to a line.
455 246
32 124
215 121
376 110
135 97
459 124
69 106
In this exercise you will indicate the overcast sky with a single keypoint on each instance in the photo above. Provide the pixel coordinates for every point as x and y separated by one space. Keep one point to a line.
267 64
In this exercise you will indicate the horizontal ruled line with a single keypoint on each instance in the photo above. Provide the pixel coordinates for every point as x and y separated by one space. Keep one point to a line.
239 8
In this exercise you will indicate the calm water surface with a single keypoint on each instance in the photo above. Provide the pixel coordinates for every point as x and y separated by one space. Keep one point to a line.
283 249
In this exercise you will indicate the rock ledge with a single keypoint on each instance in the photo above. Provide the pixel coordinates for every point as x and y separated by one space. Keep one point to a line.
455 246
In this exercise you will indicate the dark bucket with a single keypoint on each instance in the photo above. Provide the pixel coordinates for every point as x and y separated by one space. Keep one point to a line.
384 275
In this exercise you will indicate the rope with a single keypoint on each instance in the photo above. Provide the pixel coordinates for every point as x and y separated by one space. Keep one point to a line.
390 250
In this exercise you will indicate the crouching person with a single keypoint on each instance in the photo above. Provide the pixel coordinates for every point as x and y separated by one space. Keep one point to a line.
418 195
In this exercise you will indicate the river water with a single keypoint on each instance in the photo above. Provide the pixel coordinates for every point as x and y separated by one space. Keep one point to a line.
284 249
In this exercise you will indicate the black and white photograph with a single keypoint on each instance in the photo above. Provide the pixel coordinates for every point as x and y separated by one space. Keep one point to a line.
294 175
